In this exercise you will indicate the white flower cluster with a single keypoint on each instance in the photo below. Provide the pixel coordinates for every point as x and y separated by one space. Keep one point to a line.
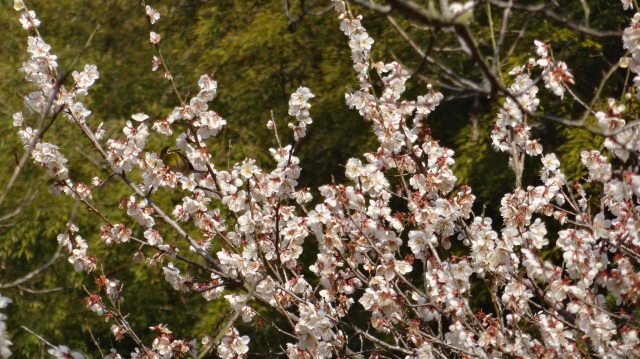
556 75
77 249
118 233
5 352
84 80
314 332
584 249
51 96
140 211
631 43
207 124
299 107
173 276
233 346
29 20
125 155
164 346
63 352
623 141
510 128
41 69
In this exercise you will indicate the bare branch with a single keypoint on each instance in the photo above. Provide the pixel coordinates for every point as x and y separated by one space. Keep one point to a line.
551 13
33 273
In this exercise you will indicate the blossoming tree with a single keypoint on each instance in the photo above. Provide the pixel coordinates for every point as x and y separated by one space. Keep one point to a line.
382 242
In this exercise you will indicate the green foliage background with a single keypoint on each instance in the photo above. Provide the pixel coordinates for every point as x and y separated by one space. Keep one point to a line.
259 59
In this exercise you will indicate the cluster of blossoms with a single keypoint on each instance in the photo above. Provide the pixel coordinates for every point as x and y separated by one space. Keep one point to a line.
393 263
166 347
126 154
233 345
63 352
77 249
510 128
5 352
623 142
573 307
42 70
38 70
556 75
299 107
630 42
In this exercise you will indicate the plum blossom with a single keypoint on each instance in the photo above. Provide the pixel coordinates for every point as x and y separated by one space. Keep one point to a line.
399 216
152 14
154 37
